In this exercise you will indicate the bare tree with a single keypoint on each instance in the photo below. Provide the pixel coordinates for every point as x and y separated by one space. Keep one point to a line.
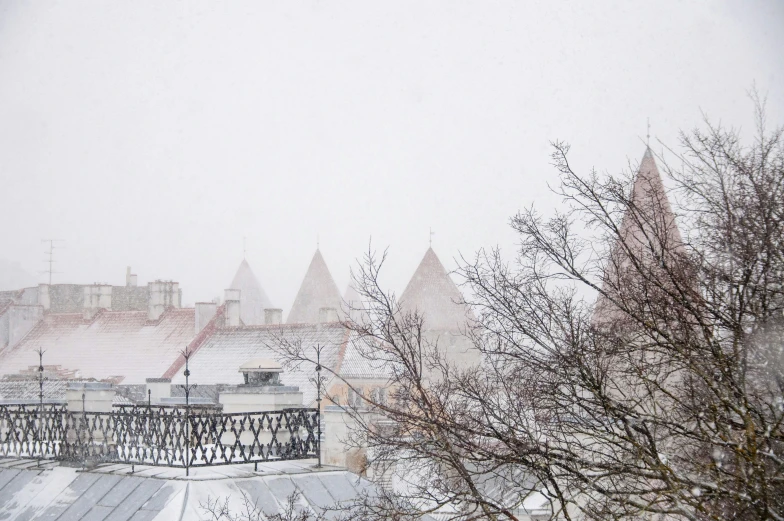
632 368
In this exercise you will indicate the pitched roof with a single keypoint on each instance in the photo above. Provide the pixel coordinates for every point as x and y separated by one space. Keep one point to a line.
218 359
113 344
435 295
253 299
318 290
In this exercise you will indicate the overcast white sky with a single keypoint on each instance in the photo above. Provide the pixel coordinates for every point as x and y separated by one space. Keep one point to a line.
157 134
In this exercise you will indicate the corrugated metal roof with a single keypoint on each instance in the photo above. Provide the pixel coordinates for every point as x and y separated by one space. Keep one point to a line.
113 344
318 290
112 493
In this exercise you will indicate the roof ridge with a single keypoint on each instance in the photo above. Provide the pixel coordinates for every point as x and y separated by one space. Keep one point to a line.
195 344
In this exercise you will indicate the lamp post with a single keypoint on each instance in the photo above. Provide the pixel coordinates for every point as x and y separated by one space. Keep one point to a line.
187 388
318 402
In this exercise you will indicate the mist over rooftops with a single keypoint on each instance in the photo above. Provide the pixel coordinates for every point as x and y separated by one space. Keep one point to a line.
253 298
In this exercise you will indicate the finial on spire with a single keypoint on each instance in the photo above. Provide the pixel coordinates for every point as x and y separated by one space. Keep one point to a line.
648 135
318 242
244 248
431 237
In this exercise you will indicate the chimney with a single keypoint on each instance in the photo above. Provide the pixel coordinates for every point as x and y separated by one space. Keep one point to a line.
232 314
96 297
158 388
205 311
130 278
20 320
163 294
44 300
273 316
328 315
262 390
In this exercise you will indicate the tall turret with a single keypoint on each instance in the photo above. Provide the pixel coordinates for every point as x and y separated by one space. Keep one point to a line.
317 294
433 293
648 231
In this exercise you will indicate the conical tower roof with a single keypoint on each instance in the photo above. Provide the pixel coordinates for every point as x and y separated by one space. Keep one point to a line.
253 299
648 227
434 294
318 290
650 197
353 305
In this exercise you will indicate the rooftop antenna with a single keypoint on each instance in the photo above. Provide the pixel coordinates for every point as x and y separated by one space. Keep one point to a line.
50 259
431 237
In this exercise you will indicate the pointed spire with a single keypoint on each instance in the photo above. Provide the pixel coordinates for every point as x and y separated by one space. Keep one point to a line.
318 290
650 197
253 299
433 293
648 228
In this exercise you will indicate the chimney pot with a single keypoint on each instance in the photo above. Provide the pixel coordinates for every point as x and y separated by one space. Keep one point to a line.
273 316
328 315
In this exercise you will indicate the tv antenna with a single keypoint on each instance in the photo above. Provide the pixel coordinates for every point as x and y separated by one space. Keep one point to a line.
50 256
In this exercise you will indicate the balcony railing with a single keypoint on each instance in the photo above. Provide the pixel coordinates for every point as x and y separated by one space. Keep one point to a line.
150 435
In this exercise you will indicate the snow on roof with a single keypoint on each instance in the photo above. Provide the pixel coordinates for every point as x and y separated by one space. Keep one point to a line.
218 359
113 344
318 290
253 299
434 294
24 391
363 358
115 492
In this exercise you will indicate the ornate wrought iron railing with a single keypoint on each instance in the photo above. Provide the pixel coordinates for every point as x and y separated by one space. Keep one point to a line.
166 436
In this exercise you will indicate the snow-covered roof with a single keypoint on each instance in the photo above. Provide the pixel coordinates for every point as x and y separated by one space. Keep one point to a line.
318 290
218 359
119 345
253 299
363 358
435 295
118 492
